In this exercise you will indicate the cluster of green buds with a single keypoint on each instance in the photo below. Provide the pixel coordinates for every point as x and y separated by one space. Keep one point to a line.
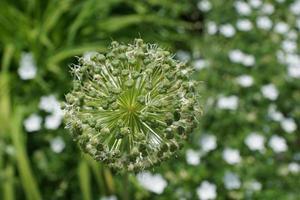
132 107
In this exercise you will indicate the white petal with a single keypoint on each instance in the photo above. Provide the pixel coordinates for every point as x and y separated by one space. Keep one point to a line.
27 67
152 182
207 191
32 123
57 145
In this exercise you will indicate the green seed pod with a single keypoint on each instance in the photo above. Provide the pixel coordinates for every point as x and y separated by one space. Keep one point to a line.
98 125
100 57
129 83
104 131
176 115
173 147
125 72
180 130
125 131
169 135
133 106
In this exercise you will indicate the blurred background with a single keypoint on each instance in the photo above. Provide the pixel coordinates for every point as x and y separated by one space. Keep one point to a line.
245 53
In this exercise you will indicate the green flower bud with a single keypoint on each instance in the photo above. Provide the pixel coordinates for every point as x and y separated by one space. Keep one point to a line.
173 147
104 131
169 135
129 83
116 72
98 125
176 116
180 130
125 72
132 107
135 75
115 63
141 99
125 131
100 57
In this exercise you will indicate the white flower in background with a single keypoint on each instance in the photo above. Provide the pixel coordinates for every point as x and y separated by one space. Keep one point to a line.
152 182
231 156
255 3
267 9
288 125
49 104
270 92
204 5
292 59
289 46
280 1
230 102
208 142
244 25
236 56
294 71
294 168
292 35
254 185
53 121
212 28
231 181
32 123
248 60
57 144
255 142
295 7
192 157
111 197
200 64
274 114
242 8
207 191
183 55
281 28
27 66
227 30
88 55
264 22
245 80
278 144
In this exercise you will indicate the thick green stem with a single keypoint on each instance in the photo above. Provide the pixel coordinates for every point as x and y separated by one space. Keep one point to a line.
85 179
125 186
28 180
8 187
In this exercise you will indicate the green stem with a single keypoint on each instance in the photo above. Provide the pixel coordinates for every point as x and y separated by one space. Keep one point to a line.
125 186
23 163
8 187
85 179
109 182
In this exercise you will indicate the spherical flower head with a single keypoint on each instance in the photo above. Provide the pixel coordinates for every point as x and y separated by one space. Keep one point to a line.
132 107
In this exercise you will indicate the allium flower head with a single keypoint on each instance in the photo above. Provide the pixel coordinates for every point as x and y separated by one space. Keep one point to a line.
132 107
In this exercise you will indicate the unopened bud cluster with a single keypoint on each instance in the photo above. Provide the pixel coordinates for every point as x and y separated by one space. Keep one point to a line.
133 106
